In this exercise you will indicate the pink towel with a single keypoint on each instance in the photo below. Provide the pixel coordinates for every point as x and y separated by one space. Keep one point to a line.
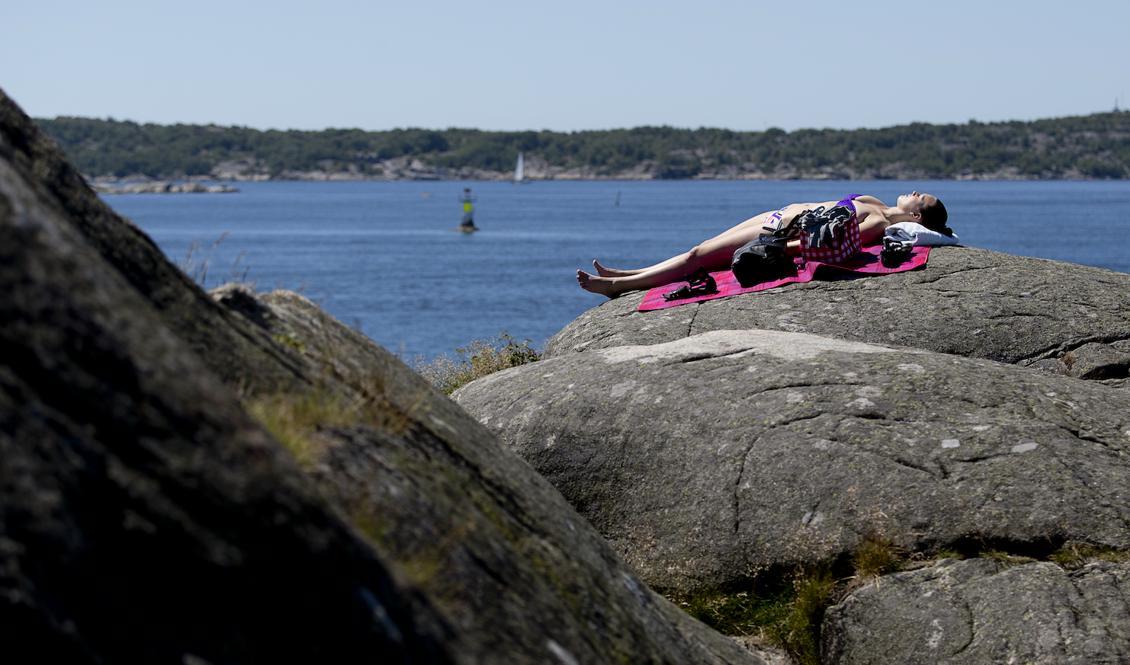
864 263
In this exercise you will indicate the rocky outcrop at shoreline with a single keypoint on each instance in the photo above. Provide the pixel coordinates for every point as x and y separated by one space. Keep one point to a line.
246 479
238 477
1063 318
146 517
131 186
709 458
492 543
976 408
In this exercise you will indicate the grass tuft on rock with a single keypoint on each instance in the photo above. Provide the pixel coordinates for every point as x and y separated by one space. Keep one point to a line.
476 360
876 557
1076 555
291 341
741 612
799 631
294 420
790 616
1007 558
948 553
787 617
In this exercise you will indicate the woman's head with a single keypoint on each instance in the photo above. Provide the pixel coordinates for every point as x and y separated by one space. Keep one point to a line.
927 210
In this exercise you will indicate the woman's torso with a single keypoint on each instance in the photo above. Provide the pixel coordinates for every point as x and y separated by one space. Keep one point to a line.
870 212
872 216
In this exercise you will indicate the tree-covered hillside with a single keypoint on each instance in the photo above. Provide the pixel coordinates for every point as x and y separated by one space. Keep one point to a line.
1093 146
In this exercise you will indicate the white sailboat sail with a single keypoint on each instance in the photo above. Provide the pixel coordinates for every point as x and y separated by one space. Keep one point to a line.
519 170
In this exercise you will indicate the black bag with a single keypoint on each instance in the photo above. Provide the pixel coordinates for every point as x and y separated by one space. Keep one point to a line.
699 283
895 251
762 260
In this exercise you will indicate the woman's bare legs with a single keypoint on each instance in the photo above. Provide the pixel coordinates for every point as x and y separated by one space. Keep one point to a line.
738 230
714 254
605 271
614 272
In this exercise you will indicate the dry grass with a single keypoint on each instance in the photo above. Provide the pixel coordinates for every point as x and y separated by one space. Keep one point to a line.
788 617
876 557
738 613
476 360
197 262
798 632
948 553
1076 555
294 420
1006 558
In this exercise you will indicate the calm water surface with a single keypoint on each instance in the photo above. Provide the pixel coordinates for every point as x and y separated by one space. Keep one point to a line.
385 257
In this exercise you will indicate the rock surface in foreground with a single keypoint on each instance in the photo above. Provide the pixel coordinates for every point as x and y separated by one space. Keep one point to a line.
1064 318
146 518
488 540
984 612
710 459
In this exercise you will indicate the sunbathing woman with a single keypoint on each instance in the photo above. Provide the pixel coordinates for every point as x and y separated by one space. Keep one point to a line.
716 253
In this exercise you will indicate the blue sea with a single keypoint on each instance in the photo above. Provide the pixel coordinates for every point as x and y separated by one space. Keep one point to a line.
386 258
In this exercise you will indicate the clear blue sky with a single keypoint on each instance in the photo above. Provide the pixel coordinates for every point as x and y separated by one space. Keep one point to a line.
565 65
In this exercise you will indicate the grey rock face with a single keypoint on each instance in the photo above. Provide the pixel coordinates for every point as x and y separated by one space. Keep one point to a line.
493 544
967 302
981 611
143 516
712 458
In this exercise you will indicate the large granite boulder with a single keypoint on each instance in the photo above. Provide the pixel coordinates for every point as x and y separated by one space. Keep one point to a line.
144 517
714 458
148 518
1061 317
985 611
487 539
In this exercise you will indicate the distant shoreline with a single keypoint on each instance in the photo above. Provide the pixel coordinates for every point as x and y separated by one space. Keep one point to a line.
138 184
1093 147
118 186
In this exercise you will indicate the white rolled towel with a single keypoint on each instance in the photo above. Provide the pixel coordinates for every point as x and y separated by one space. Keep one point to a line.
919 235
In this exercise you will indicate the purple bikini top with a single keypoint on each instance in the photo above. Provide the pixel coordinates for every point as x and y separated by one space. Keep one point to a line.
847 201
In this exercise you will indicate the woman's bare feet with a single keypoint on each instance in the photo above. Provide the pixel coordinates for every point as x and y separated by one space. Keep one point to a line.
605 286
611 272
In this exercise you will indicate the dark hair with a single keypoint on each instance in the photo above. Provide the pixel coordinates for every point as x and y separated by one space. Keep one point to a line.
934 217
